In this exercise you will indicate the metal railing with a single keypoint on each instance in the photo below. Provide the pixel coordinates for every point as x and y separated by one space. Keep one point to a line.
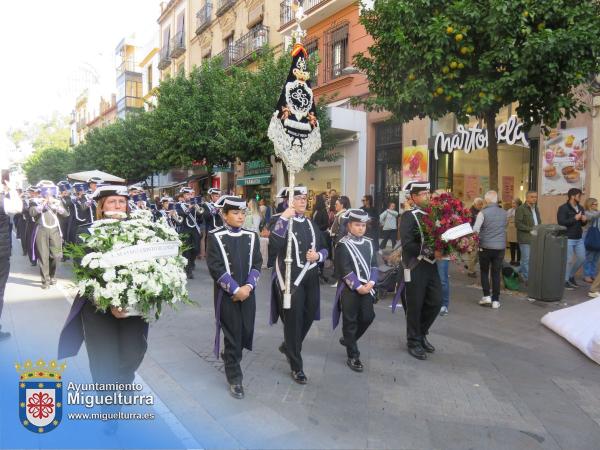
286 14
228 55
203 17
223 6
251 42
178 44
127 65
165 57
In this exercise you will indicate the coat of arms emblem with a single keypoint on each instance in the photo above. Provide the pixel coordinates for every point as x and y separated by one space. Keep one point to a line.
40 395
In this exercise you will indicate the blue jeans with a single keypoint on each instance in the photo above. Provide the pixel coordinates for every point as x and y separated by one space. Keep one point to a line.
524 267
591 263
574 247
442 268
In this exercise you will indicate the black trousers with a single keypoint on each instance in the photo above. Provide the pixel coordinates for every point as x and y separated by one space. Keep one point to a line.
29 241
191 238
357 315
422 300
515 252
491 261
387 235
4 271
299 318
237 323
48 246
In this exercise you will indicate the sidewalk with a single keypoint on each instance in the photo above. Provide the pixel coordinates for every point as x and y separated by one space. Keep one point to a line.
499 379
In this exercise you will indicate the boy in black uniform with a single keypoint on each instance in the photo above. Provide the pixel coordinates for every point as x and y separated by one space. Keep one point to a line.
308 249
234 261
422 297
190 227
356 269
210 214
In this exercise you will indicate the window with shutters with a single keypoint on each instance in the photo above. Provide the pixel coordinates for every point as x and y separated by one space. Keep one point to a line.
336 47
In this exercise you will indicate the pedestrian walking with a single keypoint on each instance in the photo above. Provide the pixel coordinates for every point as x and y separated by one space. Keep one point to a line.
342 204
491 226
356 269
321 220
422 295
572 216
591 240
373 223
308 249
234 261
252 219
389 224
527 217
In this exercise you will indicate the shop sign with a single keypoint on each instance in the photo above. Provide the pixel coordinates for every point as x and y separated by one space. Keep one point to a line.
565 159
257 167
469 139
223 168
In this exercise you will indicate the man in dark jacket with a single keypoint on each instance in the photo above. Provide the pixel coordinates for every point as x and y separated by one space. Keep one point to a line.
527 217
572 216
10 203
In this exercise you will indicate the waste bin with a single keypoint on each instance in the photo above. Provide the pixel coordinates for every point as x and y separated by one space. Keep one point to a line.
547 263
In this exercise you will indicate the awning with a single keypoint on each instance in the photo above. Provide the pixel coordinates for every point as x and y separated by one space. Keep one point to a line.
84 176
252 180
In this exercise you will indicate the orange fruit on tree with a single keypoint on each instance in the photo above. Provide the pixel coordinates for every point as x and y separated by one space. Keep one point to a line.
453 65
439 90
449 30
459 37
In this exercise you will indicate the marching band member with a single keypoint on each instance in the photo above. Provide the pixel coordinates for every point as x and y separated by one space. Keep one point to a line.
88 205
210 215
189 226
64 189
308 249
31 225
356 269
10 203
48 238
422 296
25 219
234 261
168 212
137 198
81 215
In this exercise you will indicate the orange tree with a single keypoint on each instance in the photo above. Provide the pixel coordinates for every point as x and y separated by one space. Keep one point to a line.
472 57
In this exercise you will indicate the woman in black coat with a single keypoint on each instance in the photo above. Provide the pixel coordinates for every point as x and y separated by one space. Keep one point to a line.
320 218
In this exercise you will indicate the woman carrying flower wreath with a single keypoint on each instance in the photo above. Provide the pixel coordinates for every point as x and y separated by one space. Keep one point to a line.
116 343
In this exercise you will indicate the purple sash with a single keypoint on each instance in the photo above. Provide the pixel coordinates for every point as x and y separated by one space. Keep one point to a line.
337 307
397 296
218 301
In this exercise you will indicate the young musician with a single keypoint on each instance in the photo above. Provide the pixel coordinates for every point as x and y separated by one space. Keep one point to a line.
356 269
234 261
308 249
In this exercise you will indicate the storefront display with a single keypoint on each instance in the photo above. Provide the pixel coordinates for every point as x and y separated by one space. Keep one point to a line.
415 164
564 162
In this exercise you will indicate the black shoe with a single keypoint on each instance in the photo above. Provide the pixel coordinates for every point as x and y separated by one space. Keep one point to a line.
354 364
569 286
33 264
52 281
573 282
427 345
342 341
4 335
417 351
65 259
45 286
236 391
190 276
283 351
299 377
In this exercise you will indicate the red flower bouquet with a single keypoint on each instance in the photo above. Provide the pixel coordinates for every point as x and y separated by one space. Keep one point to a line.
445 213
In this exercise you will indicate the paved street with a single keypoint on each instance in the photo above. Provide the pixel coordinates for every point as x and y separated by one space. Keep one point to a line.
499 379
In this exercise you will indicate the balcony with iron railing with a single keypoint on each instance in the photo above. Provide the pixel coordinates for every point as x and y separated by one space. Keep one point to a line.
287 15
203 17
223 6
178 45
228 56
165 57
127 65
251 43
